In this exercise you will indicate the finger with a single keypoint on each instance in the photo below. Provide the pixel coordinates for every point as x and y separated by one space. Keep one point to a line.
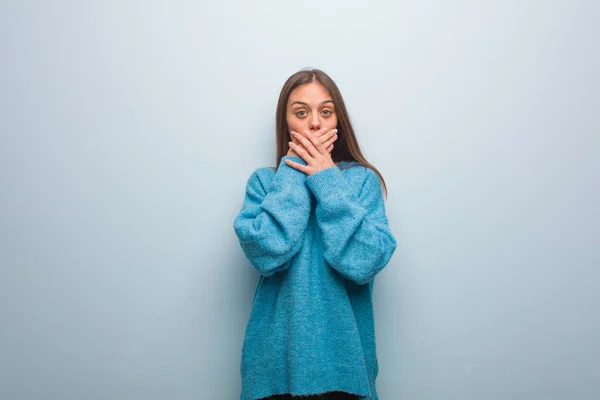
328 137
307 144
312 143
296 165
330 141
301 151
295 138
330 148
314 139
327 132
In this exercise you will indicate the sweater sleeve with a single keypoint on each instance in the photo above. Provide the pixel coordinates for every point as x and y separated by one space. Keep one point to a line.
272 221
356 237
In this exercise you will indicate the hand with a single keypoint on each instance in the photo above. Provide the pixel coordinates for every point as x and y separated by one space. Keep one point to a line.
323 136
312 150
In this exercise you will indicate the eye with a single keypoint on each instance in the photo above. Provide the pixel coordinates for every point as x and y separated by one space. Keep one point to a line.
328 111
300 112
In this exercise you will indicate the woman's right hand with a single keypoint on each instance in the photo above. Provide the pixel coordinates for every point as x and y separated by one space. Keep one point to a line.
327 138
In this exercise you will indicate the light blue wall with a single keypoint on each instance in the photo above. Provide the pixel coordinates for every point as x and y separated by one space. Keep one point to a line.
128 131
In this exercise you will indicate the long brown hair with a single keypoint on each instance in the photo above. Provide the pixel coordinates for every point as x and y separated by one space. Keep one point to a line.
346 146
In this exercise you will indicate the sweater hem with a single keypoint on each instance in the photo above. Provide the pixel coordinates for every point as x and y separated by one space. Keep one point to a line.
269 381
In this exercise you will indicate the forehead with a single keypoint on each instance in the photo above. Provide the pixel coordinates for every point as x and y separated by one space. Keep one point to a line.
311 93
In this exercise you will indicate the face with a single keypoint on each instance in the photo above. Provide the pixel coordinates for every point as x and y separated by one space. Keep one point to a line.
310 108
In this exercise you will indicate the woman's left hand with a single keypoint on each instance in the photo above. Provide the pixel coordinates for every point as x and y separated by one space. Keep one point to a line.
312 151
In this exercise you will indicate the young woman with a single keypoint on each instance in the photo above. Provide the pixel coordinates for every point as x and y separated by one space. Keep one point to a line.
315 228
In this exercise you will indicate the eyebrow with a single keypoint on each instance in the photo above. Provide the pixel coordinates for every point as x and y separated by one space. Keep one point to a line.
303 103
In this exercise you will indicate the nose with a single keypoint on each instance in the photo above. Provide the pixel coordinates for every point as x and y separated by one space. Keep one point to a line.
315 123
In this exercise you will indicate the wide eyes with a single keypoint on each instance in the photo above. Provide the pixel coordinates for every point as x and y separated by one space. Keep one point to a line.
328 113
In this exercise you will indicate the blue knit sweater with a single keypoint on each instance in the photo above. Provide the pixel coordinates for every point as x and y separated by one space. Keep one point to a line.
317 241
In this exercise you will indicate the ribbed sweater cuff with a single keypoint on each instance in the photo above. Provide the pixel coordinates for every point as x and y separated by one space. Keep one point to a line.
327 182
288 173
